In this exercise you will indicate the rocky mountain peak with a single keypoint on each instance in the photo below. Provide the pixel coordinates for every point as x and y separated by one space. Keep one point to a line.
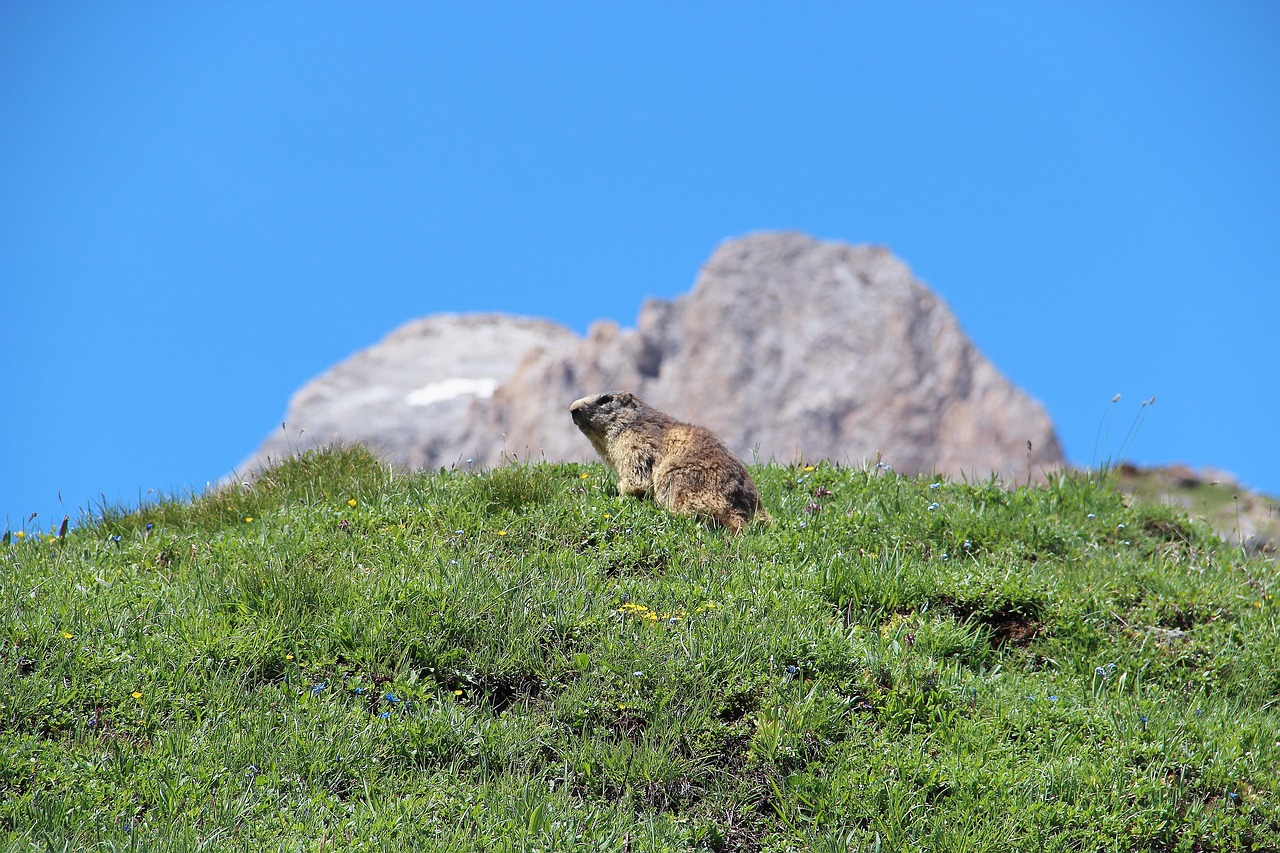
788 347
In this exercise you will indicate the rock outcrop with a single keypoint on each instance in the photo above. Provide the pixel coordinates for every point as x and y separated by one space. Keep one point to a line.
788 347
1243 517
415 395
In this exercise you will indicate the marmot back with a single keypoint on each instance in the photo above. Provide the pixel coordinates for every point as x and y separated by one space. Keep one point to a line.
684 467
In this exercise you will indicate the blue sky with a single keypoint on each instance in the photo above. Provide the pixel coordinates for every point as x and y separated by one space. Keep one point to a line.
203 205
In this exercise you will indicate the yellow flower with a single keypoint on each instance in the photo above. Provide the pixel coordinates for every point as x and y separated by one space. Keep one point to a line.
351 502
502 533
136 695
21 534
808 467
457 693
584 475
67 635
248 518
639 611
606 515
288 657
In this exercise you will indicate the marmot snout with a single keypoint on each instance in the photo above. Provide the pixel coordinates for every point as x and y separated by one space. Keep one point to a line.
685 468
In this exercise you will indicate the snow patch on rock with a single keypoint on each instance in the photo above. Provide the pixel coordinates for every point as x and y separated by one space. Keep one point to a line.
449 389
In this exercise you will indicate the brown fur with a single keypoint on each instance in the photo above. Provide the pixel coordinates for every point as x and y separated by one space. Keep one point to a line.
685 468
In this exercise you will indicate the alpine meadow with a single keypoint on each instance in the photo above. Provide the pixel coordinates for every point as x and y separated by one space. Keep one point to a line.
340 656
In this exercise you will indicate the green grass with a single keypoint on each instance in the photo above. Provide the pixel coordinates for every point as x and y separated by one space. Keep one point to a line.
344 658
1242 516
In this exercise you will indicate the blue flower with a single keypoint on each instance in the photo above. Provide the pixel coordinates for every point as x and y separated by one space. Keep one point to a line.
318 687
934 506
149 526
935 485
1091 515
1053 698
386 715
391 697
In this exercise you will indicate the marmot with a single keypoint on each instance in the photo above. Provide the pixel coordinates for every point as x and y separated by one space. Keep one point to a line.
684 467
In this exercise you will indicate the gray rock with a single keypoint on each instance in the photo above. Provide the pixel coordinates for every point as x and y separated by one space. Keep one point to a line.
794 349
413 396
788 347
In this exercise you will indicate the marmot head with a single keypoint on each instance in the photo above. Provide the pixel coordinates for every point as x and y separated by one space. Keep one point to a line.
595 413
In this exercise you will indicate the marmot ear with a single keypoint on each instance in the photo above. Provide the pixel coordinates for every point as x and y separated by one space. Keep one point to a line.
626 398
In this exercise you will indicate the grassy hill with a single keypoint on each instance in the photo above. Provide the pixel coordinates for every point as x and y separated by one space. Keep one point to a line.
1242 516
343 658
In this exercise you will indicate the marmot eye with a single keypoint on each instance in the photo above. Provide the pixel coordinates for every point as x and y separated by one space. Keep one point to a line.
606 398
